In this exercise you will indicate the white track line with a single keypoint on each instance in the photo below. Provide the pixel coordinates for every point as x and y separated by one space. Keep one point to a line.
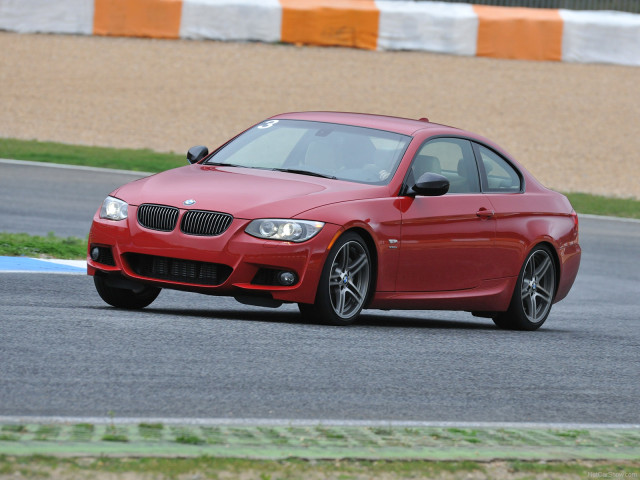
604 217
283 422
74 167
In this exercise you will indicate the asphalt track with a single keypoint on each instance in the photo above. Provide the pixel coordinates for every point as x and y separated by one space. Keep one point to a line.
63 352
38 198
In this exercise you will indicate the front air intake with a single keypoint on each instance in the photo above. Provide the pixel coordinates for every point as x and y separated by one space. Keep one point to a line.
178 270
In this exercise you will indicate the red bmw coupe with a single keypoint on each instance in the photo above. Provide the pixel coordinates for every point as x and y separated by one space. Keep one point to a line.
338 212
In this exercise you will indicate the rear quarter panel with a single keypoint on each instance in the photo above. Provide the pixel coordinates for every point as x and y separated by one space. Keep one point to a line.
525 220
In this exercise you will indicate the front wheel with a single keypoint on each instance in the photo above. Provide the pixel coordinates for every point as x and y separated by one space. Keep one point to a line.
534 292
123 297
344 283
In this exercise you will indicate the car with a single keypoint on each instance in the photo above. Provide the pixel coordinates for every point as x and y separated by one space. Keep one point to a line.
340 212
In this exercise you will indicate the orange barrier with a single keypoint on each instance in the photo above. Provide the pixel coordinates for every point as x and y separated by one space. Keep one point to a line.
521 33
346 23
462 29
137 18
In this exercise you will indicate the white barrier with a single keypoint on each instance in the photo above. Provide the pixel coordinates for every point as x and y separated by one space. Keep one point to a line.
432 26
450 28
253 20
47 16
601 37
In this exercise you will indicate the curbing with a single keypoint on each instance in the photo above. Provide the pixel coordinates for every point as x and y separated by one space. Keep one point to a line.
450 28
318 441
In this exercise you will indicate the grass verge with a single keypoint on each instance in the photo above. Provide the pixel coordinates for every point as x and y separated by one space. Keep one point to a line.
121 159
112 449
599 205
24 245
211 467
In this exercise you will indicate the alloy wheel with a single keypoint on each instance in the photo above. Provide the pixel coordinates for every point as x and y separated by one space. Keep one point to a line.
538 286
349 279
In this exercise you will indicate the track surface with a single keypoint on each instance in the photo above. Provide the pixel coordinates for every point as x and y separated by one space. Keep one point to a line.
38 198
64 352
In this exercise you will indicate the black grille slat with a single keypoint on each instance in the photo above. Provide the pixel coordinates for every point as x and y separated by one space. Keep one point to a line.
194 222
158 217
205 223
178 270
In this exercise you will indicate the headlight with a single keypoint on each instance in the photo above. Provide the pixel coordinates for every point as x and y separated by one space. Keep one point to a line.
114 209
286 230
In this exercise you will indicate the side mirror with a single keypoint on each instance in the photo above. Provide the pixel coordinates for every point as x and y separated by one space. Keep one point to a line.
195 154
431 185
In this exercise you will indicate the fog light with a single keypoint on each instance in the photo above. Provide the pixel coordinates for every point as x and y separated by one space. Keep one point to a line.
286 278
95 254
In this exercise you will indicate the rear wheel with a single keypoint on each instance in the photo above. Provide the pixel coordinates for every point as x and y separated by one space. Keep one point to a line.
132 299
534 292
344 283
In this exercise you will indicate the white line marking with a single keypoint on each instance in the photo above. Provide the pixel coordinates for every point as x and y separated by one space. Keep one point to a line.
308 422
68 263
74 167
604 217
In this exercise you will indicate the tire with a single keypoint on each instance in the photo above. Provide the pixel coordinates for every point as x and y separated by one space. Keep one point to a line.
534 292
344 284
125 298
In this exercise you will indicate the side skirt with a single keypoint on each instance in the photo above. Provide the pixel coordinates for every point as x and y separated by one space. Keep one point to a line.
490 295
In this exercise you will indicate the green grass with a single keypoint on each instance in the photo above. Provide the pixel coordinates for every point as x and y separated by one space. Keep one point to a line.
14 428
211 467
22 244
189 439
114 437
122 159
113 434
47 432
599 205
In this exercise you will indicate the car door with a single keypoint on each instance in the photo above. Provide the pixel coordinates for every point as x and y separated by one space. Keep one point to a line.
446 241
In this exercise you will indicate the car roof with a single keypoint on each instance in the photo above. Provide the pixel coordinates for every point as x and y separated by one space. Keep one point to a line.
405 126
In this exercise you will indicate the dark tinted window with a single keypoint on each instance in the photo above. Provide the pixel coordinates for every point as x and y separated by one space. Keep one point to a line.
501 176
452 158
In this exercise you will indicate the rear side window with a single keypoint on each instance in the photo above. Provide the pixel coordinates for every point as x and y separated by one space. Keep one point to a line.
501 176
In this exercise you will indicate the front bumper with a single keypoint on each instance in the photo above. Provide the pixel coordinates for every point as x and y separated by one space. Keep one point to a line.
243 257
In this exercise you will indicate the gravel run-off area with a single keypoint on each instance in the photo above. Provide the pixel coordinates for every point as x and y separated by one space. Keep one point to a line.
574 126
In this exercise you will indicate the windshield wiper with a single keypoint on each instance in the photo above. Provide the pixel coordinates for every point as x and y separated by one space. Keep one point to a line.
220 164
304 172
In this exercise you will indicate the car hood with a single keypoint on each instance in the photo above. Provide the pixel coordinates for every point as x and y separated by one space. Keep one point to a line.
243 192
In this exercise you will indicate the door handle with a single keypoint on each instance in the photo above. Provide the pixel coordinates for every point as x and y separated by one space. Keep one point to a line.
485 213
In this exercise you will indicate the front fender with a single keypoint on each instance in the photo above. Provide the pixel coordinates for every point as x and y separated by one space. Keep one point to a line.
379 218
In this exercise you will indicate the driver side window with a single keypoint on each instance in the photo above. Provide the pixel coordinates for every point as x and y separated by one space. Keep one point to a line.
451 157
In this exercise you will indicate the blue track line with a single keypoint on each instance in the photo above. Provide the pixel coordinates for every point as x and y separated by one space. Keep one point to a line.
36 265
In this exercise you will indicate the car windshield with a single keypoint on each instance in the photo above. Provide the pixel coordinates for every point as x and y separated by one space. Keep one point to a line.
344 152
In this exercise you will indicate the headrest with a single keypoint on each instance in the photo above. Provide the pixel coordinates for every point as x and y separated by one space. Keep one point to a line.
424 164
